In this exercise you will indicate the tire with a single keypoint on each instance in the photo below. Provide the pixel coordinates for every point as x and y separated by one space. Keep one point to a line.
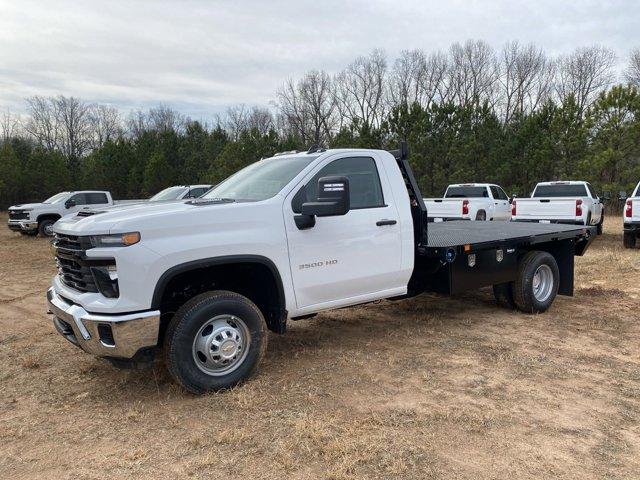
629 240
44 227
481 216
503 292
189 348
600 226
529 298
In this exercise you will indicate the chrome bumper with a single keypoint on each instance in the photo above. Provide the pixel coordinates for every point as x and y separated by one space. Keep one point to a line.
24 225
118 336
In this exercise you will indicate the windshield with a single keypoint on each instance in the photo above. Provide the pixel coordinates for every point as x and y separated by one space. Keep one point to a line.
566 190
58 197
170 193
260 180
466 192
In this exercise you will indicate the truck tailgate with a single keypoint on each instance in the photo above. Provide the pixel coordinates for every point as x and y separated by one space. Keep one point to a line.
546 208
443 207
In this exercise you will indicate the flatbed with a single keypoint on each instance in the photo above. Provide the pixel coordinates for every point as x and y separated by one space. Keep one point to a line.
482 234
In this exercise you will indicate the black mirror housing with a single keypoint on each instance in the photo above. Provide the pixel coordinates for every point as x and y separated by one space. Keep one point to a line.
333 198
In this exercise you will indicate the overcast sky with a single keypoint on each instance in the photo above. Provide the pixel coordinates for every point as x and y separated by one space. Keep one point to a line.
201 56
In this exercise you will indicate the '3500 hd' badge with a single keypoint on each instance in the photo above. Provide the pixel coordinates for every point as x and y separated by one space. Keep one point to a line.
325 263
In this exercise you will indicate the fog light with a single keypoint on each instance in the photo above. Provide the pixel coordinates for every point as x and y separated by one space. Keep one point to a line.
471 259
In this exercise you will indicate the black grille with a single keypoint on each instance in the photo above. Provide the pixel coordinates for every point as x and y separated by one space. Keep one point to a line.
72 266
18 215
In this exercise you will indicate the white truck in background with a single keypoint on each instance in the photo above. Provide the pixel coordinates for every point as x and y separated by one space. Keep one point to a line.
470 201
573 203
631 218
34 218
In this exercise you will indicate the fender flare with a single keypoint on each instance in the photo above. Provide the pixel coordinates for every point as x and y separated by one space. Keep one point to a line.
166 277
53 216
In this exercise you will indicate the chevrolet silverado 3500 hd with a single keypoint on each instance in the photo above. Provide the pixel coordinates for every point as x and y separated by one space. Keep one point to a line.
284 238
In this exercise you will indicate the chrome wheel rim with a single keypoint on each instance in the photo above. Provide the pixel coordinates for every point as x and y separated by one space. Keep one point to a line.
221 345
542 283
48 230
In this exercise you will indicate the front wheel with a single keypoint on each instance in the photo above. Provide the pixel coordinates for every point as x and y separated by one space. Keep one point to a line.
45 227
537 281
215 341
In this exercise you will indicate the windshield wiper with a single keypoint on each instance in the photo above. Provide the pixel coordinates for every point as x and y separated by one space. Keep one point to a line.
207 201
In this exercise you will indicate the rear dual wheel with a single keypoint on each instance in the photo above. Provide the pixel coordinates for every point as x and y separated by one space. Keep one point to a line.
535 287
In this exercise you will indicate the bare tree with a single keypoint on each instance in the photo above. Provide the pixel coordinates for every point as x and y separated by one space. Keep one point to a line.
361 89
308 107
42 122
526 79
473 73
165 119
405 78
583 74
632 72
9 126
261 120
72 117
104 124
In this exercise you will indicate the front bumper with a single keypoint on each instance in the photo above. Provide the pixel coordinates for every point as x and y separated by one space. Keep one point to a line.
22 225
113 336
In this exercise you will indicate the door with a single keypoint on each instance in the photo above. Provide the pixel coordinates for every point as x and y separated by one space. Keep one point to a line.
349 258
501 203
597 205
76 203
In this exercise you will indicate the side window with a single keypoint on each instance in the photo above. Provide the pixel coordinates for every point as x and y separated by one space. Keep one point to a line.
364 183
502 194
96 198
592 192
79 199
196 192
494 192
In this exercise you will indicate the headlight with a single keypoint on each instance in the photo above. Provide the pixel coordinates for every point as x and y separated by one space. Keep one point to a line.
118 240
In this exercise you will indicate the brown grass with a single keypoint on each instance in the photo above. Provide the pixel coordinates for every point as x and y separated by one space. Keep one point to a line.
426 388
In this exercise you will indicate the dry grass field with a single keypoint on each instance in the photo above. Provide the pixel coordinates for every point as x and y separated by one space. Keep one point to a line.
426 388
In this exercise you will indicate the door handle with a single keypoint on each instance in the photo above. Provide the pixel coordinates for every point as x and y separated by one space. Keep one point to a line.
382 223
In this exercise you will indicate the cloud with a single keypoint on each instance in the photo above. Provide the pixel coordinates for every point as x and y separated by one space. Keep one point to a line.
205 55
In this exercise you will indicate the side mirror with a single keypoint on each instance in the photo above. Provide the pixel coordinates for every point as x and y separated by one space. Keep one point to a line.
622 196
513 197
333 200
70 203
606 195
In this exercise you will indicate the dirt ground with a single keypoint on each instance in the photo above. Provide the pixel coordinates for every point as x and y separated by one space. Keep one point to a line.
425 388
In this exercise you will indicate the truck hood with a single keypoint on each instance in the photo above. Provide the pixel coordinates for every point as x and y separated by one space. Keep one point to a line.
136 217
34 206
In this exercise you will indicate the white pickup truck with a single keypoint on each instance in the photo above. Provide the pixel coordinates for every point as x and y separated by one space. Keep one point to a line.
180 192
282 239
631 218
470 201
573 203
34 218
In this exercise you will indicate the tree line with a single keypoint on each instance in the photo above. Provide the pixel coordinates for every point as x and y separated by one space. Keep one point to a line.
514 116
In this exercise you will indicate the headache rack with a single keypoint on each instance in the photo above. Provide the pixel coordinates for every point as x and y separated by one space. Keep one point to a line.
418 208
